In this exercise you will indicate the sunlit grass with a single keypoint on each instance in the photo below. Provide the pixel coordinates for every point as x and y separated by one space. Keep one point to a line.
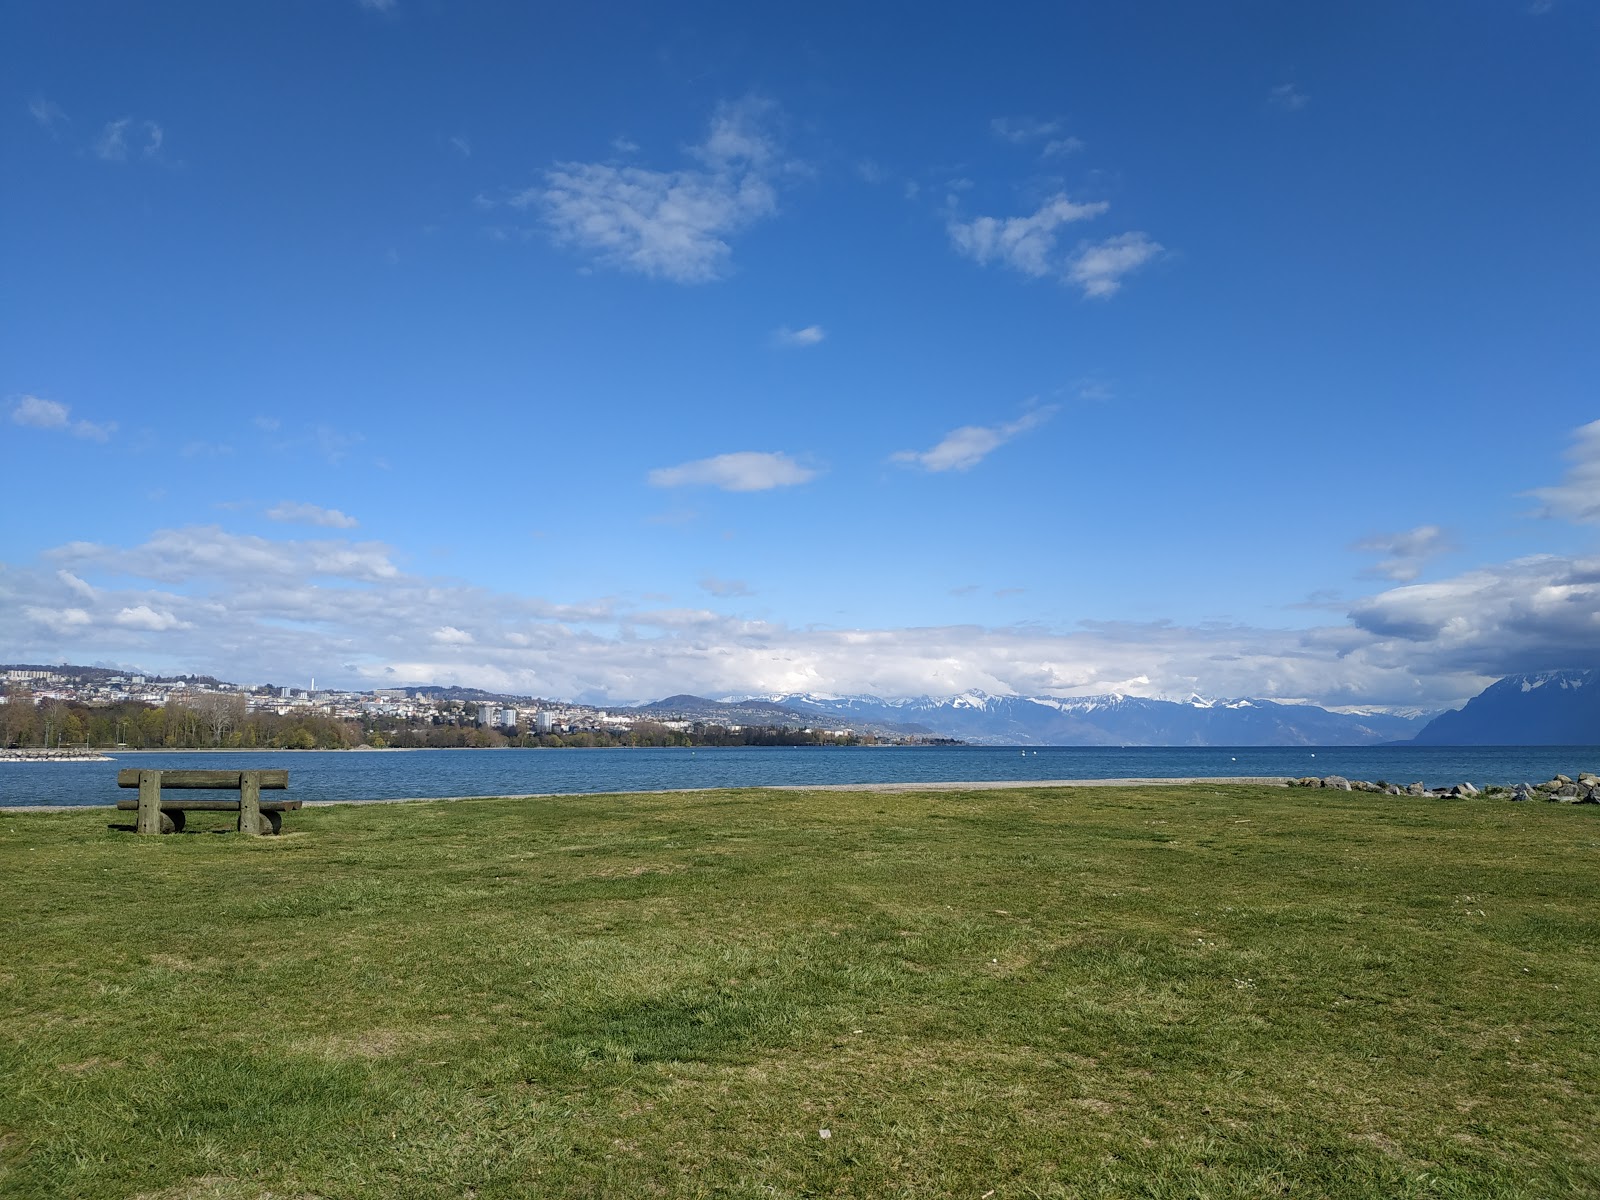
1205 991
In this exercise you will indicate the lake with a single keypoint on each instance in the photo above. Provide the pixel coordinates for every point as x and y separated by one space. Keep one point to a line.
361 775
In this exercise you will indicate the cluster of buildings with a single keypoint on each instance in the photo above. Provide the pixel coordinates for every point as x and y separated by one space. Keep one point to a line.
404 706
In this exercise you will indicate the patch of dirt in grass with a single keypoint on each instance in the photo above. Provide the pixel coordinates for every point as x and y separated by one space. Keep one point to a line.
172 962
1093 1105
620 871
1384 1143
88 1065
220 1187
370 1044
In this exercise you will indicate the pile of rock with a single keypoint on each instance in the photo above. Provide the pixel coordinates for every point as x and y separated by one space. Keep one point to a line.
52 755
1585 789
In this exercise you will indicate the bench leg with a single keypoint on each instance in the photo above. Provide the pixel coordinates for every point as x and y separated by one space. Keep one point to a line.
149 802
250 803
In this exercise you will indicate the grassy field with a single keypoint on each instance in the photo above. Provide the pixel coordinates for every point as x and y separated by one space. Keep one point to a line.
1161 992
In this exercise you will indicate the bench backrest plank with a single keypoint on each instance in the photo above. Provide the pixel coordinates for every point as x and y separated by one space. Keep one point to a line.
229 781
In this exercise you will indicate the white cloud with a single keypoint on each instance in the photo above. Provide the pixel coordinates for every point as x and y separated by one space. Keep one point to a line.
462 146
208 552
47 113
964 448
35 412
39 413
146 618
1057 147
1098 267
76 585
253 609
1026 244
1535 613
1287 97
811 335
377 5
1018 130
206 450
744 471
671 225
310 514
1404 553
1577 497
127 136
58 620
725 587
624 145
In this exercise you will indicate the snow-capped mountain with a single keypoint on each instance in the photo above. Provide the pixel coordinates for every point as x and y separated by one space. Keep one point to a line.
1112 720
1547 708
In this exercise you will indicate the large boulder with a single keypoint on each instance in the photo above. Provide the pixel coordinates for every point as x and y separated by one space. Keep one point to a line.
1523 791
1337 782
1417 789
1463 789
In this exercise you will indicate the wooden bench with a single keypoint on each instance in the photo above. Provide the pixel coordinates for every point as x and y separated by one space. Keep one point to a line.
158 815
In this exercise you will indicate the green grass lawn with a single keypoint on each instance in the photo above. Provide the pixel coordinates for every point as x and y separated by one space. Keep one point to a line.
1202 991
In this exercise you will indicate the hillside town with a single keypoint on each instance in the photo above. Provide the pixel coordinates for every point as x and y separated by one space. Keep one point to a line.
64 706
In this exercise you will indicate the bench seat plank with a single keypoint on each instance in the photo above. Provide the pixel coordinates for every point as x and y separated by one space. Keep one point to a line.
214 805
227 781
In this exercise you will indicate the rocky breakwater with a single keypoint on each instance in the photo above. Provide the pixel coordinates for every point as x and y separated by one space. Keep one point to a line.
1563 789
37 755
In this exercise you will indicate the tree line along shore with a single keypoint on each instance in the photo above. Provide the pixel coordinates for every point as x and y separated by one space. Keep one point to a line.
224 723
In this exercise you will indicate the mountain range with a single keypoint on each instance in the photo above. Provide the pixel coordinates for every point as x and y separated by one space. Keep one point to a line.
1546 708
1112 720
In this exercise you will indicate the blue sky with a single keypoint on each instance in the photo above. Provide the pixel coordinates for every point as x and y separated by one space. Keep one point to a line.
614 352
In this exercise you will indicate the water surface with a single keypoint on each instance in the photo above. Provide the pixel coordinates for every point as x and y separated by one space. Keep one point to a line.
361 775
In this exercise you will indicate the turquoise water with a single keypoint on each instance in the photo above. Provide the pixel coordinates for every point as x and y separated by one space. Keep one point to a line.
358 775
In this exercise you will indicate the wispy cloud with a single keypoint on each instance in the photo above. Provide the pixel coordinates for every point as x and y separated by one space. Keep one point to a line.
47 113
35 412
1287 97
725 587
1577 497
1018 130
310 514
672 225
129 138
1021 131
201 449
1026 244
1403 553
964 448
744 471
377 5
811 335
462 146
1098 267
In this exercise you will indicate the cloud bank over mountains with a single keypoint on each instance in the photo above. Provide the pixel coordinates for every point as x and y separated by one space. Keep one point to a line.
205 599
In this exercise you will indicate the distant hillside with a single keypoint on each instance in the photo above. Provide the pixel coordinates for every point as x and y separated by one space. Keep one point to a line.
753 711
1549 708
